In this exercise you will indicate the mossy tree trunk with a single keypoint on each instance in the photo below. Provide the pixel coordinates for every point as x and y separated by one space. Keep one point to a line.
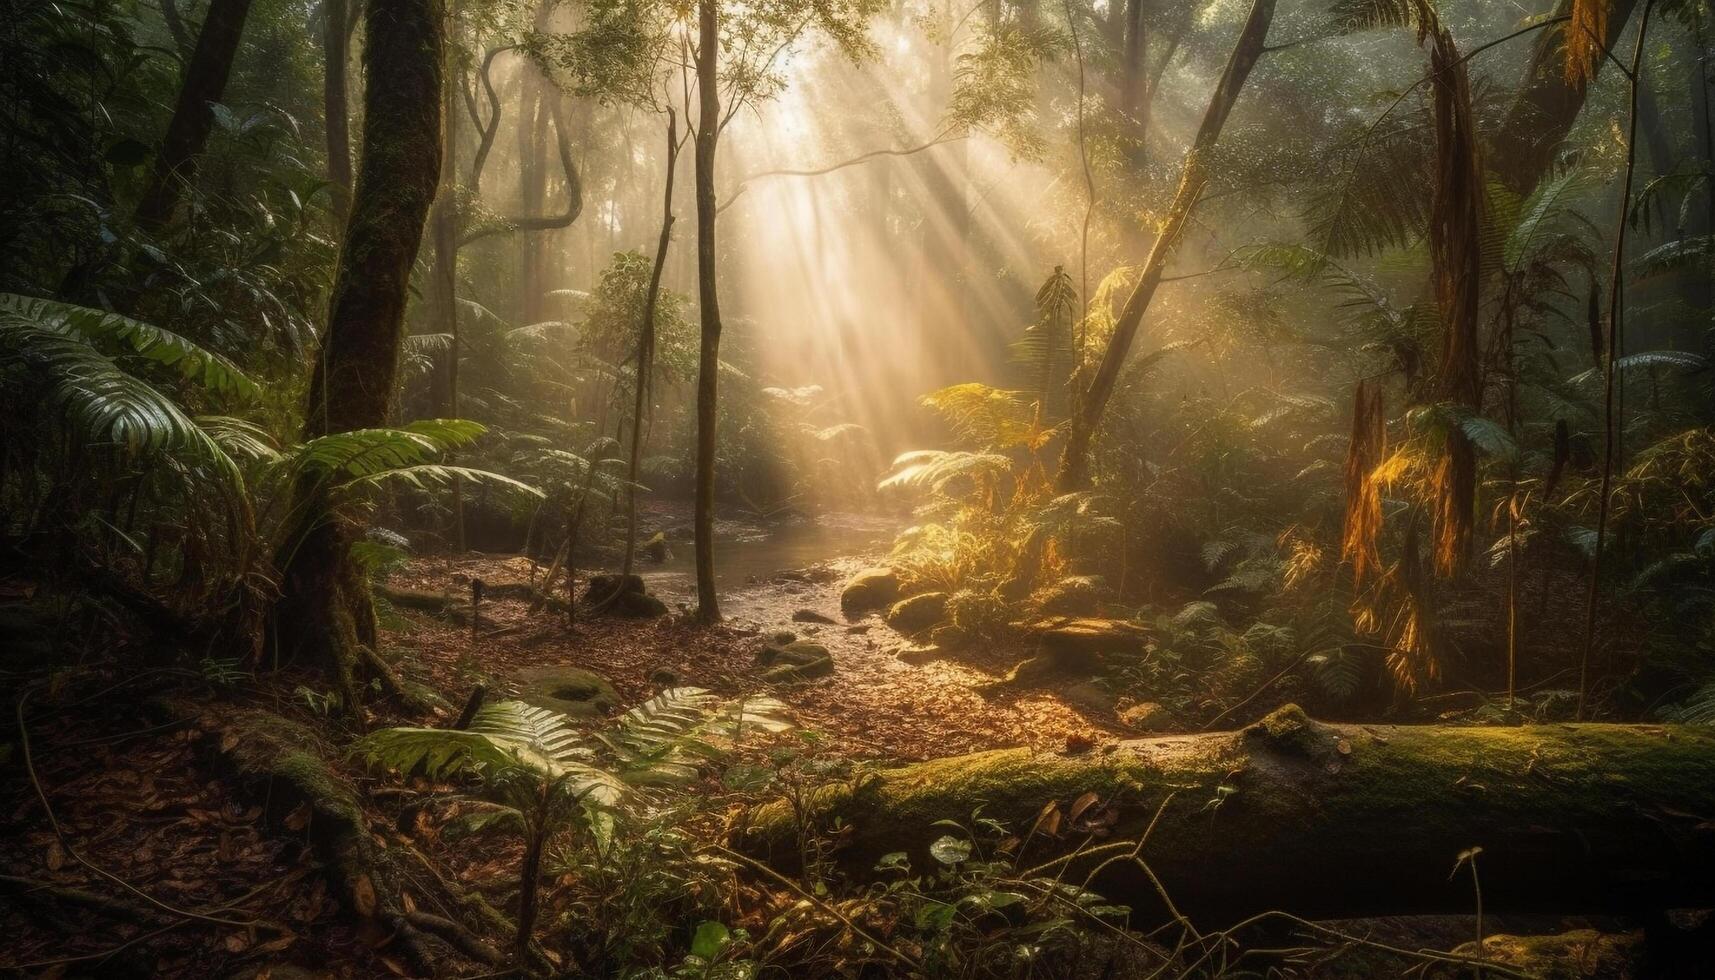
324 612
1092 402
187 133
336 115
709 358
1308 818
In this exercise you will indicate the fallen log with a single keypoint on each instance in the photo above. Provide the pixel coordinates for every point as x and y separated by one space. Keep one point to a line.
1318 819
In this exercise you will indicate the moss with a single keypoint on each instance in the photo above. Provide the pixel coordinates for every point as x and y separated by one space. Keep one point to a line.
1293 813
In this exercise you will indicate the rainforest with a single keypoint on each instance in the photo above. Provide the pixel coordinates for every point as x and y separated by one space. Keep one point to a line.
747 489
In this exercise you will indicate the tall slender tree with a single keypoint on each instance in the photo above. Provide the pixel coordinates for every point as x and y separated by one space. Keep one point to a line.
1193 177
193 115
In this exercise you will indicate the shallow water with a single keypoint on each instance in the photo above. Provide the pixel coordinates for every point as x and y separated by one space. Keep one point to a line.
749 557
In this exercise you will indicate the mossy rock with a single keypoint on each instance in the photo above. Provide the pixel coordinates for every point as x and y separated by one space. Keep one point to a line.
918 613
1582 954
797 661
572 691
1149 717
656 549
871 588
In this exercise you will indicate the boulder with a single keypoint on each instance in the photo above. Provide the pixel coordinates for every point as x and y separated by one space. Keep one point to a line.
871 588
1088 696
918 613
572 691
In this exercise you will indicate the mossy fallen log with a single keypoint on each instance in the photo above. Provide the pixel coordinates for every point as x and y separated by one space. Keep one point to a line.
1295 815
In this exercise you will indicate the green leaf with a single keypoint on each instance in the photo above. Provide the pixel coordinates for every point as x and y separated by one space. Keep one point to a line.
950 850
711 937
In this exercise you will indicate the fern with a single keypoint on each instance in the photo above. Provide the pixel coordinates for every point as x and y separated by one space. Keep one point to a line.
193 362
96 399
937 469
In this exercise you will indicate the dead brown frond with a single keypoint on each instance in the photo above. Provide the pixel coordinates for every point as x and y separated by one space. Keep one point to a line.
1584 39
1363 523
1408 592
1455 244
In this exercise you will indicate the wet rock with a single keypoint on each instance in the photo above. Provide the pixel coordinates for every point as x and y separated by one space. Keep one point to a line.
1148 717
871 588
811 616
572 691
1074 595
918 613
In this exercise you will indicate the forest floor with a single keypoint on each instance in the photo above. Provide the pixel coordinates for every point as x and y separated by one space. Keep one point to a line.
874 705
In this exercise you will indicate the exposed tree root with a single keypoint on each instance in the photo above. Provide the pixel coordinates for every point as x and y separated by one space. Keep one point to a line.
285 762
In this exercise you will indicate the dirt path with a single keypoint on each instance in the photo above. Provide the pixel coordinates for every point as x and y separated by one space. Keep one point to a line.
873 704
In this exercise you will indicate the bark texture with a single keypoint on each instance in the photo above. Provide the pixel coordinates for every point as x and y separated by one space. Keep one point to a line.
324 610
337 123
1295 815
709 357
1093 403
187 132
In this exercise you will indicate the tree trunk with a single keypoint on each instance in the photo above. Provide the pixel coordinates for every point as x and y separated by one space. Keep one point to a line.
1315 819
1087 417
324 612
1547 105
334 109
444 283
708 361
187 133
646 344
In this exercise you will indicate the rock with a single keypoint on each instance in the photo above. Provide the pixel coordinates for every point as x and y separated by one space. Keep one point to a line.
1147 716
1088 696
572 691
662 677
811 616
1074 595
1582 954
1087 635
633 599
600 587
918 613
858 629
801 660
917 654
872 588
655 549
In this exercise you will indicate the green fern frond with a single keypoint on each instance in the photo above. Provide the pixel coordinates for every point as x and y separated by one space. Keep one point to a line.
99 401
937 469
192 361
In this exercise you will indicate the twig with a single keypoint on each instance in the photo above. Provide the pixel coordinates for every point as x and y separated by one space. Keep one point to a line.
819 903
